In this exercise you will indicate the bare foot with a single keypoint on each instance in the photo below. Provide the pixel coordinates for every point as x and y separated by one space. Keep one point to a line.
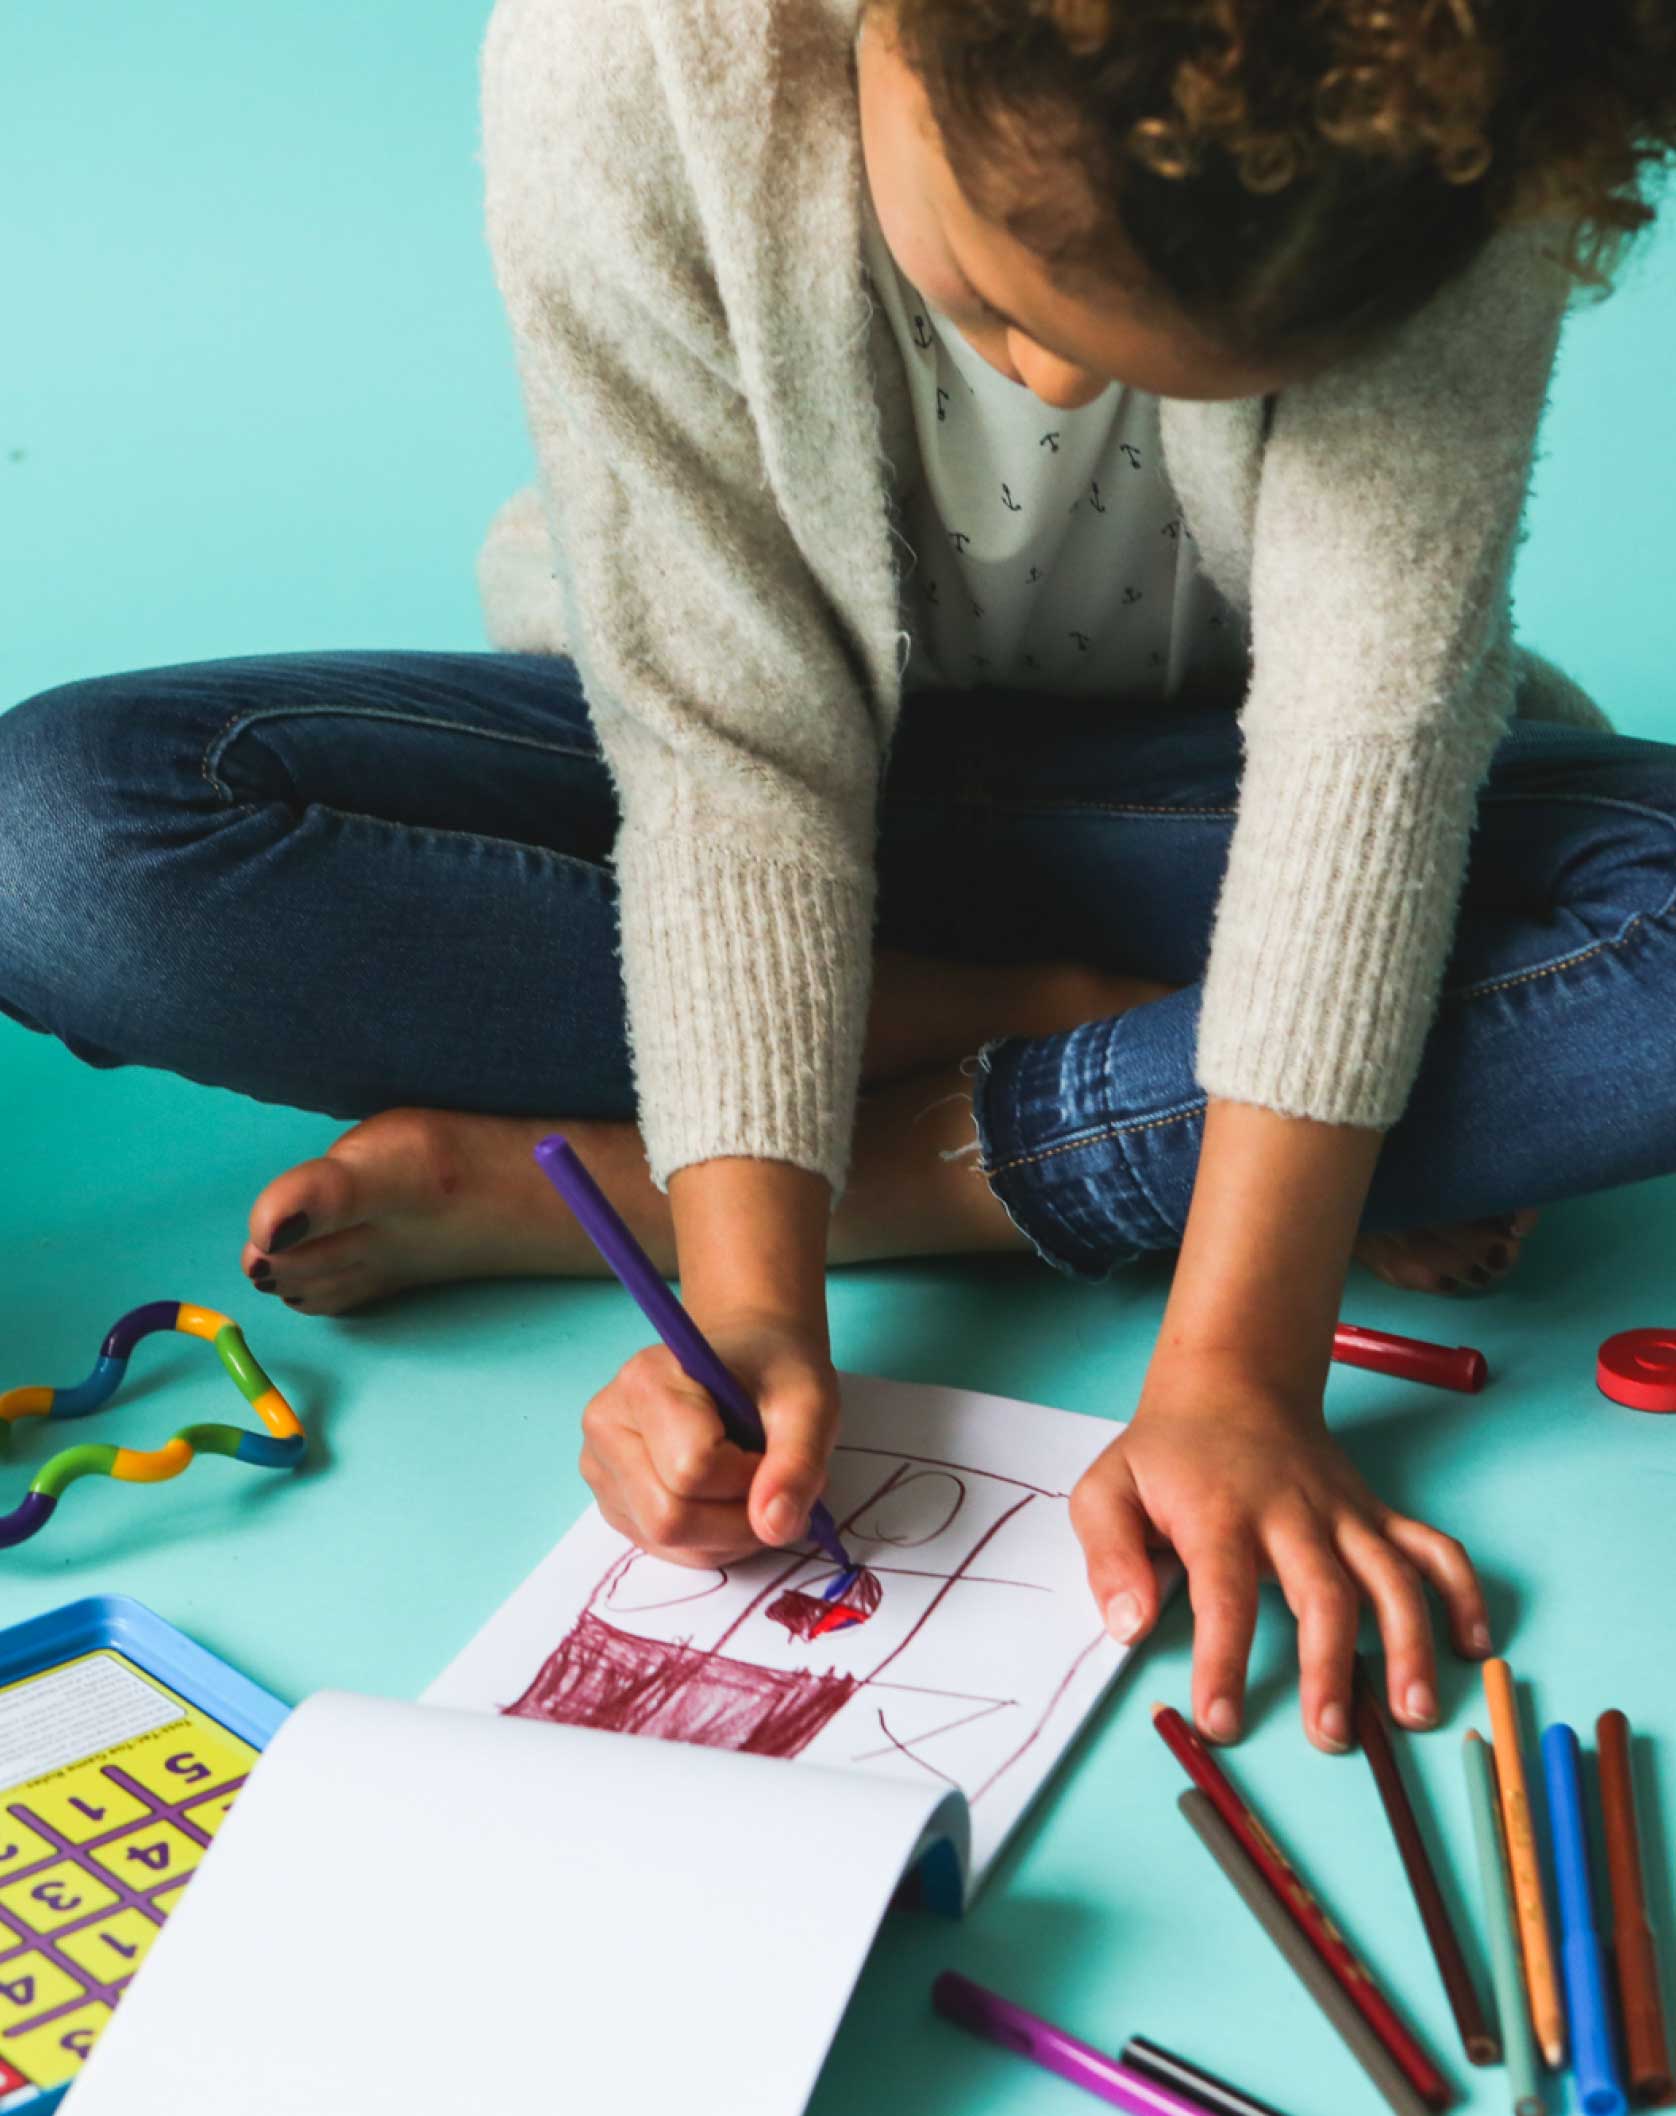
1470 1257
418 1197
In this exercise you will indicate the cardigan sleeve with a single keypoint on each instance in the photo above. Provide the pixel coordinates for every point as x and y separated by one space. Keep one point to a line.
743 742
1387 512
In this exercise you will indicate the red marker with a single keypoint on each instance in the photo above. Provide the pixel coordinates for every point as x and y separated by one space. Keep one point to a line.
1412 1359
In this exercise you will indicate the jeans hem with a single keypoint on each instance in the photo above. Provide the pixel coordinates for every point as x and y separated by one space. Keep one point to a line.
1008 1169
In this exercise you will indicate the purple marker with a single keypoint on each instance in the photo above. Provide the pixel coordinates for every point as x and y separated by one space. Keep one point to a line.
988 2014
603 1225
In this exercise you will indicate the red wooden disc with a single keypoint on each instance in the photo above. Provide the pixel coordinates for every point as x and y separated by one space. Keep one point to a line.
1638 1367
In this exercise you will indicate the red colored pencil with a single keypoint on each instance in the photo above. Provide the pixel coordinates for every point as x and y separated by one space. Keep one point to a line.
1309 1917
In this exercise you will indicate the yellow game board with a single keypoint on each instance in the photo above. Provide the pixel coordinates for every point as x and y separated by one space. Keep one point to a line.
111 1789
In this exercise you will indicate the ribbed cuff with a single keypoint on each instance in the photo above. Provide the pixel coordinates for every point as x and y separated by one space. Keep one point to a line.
747 984
1335 920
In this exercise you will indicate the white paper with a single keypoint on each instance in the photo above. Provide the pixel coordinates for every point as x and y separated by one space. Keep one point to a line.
983 1658
433 1912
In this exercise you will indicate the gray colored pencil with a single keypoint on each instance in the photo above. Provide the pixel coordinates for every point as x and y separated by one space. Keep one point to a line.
1370 2053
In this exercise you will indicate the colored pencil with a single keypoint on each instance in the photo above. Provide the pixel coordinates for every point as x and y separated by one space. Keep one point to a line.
1375 1737
1318 1929
1523 2078
1229 1852
1639 1988
1202 2088
1594 2059
1536 1941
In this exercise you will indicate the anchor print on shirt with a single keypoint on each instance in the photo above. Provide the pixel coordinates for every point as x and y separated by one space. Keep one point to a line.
1012 506
1129 449
922 334
1050 441
941 413
1094 499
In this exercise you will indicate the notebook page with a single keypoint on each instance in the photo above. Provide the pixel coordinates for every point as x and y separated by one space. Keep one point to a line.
968 1654
427 1912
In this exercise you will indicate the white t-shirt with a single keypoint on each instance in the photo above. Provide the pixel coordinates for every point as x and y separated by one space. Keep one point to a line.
1049 551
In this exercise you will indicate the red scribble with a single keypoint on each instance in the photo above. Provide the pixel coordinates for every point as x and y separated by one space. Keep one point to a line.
812 1616
602 1677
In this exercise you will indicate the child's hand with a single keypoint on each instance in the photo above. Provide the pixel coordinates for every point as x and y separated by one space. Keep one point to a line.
665 1475
1247 1484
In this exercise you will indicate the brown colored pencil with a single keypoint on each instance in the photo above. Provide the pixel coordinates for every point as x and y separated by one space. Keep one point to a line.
1328 1993
1536 1943
1477 2039
1648 2044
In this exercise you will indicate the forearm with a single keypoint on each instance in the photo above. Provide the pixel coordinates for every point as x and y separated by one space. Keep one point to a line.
751 1239
1275 1209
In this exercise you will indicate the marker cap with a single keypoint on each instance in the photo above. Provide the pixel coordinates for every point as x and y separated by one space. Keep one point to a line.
1638 1368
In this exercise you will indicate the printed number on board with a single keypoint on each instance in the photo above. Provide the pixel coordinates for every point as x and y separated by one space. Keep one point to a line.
192 1769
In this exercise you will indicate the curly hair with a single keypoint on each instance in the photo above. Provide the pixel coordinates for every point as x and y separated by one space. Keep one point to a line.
1293 173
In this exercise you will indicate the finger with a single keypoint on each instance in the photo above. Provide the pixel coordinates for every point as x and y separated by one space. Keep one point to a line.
1108 1516
1324 1599
800 1416
1444 1564
690 1452
1393 1586
1222 1587
683 1531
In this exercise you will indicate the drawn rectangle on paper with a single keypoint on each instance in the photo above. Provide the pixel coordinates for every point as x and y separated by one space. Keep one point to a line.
980 1657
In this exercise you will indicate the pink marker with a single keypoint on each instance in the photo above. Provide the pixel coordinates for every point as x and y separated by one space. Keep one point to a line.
986 2013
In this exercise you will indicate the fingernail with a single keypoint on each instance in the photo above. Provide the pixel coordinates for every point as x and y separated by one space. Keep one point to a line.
1334 1724
1508 1223
260 1269
289 1232
1480 1276
1123 1616
1478 1638
1420 1704
1449 1285
1222 1722
1500 1256
264 1285
782 1517
290 1299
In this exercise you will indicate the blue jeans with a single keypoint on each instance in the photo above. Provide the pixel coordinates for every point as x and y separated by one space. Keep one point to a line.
349 881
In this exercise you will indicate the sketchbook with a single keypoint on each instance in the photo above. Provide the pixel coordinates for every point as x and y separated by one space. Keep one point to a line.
643 1806
966 1653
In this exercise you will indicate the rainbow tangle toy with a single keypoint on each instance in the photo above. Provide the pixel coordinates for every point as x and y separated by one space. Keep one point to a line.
282 1446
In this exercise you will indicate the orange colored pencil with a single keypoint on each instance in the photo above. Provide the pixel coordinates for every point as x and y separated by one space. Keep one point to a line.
1536 1943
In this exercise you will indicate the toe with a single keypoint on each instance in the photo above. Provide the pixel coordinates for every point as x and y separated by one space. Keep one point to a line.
313 1199
1392 1258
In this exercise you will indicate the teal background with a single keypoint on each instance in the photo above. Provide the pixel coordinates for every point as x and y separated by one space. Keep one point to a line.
256 395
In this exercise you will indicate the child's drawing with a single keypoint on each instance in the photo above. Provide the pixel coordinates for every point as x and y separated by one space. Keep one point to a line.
966 1646
755 1658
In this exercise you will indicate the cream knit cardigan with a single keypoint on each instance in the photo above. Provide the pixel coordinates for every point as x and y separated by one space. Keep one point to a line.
673 199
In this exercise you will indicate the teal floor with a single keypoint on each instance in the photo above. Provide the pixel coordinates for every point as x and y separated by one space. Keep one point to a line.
256 396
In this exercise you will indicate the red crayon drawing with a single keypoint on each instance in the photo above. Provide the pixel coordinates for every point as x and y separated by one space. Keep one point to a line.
755 1658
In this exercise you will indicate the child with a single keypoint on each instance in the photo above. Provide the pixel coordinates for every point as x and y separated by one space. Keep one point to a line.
1019 575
